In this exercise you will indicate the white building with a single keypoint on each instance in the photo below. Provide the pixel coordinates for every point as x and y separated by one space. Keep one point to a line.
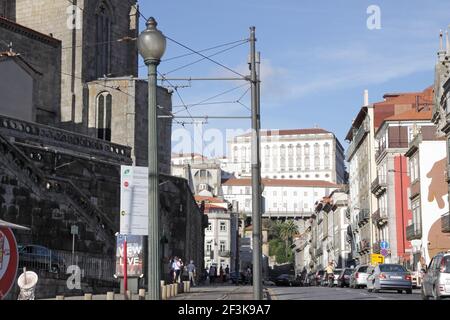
281 198
307 154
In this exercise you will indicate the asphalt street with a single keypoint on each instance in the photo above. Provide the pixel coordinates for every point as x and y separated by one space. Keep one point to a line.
325 293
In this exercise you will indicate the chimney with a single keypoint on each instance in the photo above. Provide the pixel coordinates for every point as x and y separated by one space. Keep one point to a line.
366 98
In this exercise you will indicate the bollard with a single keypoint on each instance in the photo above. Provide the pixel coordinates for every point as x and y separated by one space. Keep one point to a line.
141 294
168 292
188 286
88 296
172 288
59 297
128 295
163 283
176 288
163 292
110 296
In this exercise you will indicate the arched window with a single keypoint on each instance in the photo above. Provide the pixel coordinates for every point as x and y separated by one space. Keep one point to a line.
103 38
316 149
326 148
327 162
104 109
275 157
317 162
243 158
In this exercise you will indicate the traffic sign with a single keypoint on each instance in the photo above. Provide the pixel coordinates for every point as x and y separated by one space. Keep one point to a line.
384 245
384 252
376 259
9 261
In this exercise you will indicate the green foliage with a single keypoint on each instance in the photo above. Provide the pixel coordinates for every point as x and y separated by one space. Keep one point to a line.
281 235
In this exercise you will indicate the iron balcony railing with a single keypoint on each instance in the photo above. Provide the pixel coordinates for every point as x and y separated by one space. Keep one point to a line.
379 217
363 217
357 139
379 186
413 232
224 253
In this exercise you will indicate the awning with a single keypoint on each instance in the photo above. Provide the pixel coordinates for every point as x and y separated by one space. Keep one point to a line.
12 225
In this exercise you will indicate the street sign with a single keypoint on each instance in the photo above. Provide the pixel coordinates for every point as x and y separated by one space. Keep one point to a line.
74 230
384 245
9 261
135 256
376 259
384 252
134 200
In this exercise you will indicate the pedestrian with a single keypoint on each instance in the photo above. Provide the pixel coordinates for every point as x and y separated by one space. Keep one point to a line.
221 274
171 270
330 271
192 272
180 270
212 274
249 275
227 273
176 269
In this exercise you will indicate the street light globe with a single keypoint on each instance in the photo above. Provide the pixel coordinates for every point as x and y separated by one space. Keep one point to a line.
151 43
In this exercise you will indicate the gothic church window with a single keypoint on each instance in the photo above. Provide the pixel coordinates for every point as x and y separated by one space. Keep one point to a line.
104 110
103 39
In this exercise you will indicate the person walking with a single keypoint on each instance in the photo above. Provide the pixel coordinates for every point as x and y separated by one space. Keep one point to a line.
249 275
221 274
176 269
192 272
171 271
227 273
180 271
330 272
212 274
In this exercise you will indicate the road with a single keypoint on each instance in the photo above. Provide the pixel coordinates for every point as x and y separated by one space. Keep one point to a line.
324 293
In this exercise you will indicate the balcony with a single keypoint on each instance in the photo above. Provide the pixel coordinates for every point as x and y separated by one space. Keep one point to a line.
363 217
347 213
379 218
413 232
379 186
355 227
364 246
224 254
445 223
415 189
357 139
319 251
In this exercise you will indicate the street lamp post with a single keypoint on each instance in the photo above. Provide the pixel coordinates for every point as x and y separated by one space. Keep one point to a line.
152 45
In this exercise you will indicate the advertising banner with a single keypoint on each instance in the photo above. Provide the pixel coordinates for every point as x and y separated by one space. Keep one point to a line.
135 256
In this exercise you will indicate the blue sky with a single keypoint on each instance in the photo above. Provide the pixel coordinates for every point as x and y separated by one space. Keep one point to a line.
317 56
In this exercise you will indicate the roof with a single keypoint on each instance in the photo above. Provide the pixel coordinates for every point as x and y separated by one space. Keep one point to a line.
289 132
184 155
282 183
208 199
30 33
411 115
11 55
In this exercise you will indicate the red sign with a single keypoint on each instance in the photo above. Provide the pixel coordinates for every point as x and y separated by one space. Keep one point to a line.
8 261
126 184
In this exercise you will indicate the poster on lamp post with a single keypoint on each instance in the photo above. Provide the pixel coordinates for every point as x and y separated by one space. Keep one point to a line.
134 200
135 256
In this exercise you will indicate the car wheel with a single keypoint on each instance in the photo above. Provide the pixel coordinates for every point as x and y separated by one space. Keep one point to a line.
369 290
424 296
399 291
409 291
375 290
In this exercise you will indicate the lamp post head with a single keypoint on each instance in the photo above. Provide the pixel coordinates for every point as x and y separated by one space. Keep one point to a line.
151 43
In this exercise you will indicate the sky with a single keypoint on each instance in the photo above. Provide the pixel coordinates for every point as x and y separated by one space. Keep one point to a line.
318 57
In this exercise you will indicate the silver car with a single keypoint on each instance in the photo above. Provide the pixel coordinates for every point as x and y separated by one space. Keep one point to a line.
358 279
436 281
389 277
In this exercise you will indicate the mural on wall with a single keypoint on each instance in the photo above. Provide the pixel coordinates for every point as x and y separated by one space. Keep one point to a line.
434 200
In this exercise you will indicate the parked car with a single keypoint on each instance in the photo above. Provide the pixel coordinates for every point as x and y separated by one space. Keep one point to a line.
436 280
237 278
344 278
38 258
318 277
389 277
287 280
337 272
358 278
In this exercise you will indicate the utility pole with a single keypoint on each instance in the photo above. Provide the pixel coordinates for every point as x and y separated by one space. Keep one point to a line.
256 173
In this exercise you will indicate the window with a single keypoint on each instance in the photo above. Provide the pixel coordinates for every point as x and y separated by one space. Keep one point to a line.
305 194
247 190
104 106
299 156
274 204
291 157
316 149
307 163
274 193
223 246
327 162
326 148
223 226
306 149
267 157
208 247
235 154
243 157
247 203
285 205
283 157
317 162
229 190
209 226
275 157
103 39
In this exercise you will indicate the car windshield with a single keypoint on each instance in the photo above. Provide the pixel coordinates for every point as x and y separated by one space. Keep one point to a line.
392 268
446 263
363 269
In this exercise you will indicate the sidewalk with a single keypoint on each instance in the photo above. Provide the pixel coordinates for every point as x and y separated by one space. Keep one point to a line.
218 292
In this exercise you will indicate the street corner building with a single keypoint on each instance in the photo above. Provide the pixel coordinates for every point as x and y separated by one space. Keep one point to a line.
72 111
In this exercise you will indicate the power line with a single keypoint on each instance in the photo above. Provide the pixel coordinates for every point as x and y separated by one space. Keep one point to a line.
207 58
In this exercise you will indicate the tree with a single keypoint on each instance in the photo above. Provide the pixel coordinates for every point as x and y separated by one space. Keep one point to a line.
287 231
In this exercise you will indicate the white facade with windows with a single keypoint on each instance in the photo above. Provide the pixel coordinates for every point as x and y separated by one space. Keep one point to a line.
307 154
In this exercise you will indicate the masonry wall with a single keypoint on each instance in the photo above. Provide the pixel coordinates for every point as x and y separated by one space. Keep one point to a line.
44 55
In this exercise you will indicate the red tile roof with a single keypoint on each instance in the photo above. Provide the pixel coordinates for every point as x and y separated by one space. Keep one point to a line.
411 115
289 132
282 183
208 199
